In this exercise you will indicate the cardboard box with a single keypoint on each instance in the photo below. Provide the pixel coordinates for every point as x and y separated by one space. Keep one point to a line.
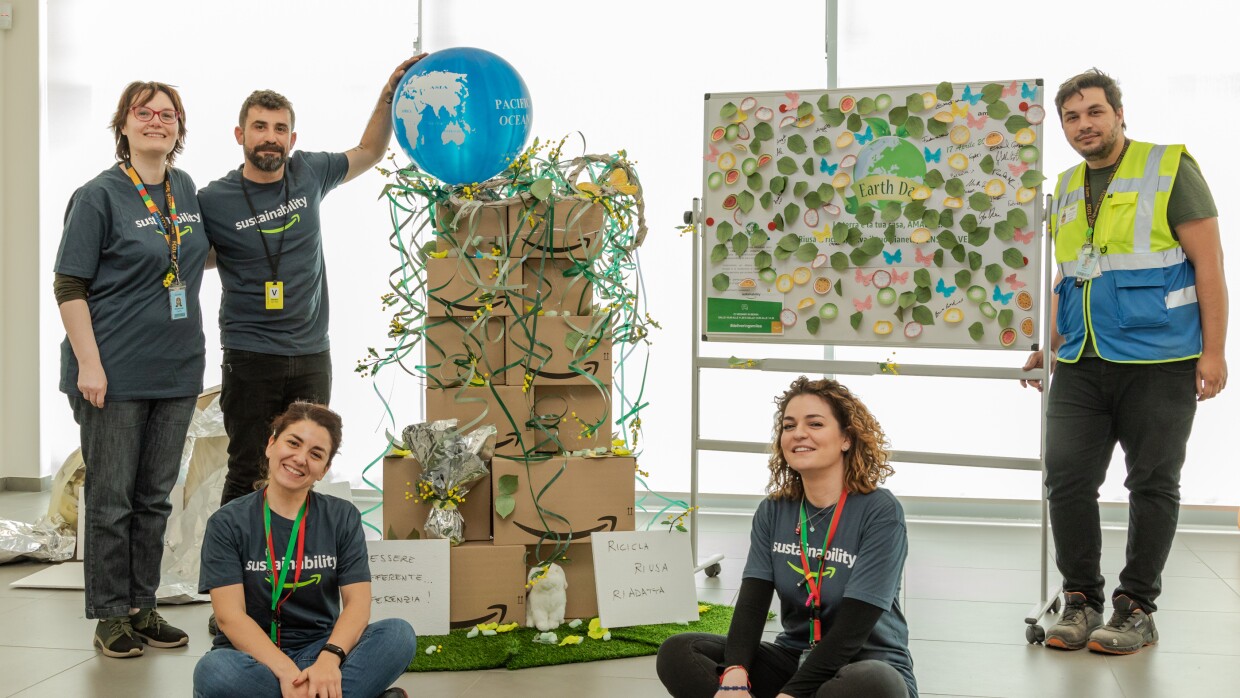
567 229
582 598
404 517
593 494
449 350
566 411
512 438
488 584
453 285
563 336
558 284
462 232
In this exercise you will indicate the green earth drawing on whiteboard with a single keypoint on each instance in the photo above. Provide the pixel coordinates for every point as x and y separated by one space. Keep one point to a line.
890 167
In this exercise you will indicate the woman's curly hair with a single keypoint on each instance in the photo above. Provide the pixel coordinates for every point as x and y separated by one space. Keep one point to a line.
865 462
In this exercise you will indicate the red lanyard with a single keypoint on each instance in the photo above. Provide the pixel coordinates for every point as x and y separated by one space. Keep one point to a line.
813 582
277 587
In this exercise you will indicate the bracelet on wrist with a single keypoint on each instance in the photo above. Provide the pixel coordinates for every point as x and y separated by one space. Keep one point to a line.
723 675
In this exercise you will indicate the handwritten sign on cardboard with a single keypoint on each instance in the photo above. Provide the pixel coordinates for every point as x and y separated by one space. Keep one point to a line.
409 579
643 577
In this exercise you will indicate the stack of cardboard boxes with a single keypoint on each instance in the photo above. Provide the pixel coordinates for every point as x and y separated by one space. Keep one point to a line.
542 375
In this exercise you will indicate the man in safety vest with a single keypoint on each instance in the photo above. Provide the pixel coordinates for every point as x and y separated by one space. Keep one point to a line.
1140 320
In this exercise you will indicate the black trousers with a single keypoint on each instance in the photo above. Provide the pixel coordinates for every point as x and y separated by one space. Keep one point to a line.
256 389
687 667
1148 409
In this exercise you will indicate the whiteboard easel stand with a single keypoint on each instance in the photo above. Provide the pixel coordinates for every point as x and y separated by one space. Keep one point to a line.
1049 602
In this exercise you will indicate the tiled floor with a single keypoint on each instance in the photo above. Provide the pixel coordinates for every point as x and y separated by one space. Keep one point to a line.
967 590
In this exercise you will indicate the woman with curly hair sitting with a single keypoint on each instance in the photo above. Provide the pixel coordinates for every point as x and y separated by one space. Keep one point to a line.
831 544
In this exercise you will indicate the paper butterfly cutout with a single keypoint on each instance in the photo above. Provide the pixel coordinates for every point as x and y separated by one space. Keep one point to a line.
1027 92
829 169
925 259
822 235
1018 169
794 100
936 156
1010 90
1012 282
865 304
893 257
712 155
1003 298
1025 237
960 110
617 181
977 122
969 96
864 279
898 278
863 138
944 289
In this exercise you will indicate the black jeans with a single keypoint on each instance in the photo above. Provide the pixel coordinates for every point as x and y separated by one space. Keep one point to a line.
256 389
687 667
1148 410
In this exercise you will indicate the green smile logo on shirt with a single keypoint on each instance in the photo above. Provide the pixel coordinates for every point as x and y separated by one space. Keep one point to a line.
291 222
826 571
313 580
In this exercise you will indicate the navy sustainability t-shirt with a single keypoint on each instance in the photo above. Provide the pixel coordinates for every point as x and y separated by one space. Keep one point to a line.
234 551
114 241
865 562
287 219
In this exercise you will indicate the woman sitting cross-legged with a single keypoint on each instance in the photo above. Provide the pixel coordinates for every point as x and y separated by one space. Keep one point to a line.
289 579
831 545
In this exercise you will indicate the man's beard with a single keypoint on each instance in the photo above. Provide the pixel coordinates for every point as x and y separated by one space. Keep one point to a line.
1106 143
267 158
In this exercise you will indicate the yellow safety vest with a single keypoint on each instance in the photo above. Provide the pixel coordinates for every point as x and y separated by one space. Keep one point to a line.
1143 309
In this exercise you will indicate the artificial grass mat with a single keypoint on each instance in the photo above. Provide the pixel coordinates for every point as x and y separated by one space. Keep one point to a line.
517 650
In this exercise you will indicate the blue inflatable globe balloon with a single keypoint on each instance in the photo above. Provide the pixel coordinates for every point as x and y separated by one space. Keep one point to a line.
462 114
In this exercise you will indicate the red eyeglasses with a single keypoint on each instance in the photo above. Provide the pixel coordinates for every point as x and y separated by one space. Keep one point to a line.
168 116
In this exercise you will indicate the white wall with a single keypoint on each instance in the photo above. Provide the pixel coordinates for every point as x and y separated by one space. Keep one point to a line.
21 73
627 76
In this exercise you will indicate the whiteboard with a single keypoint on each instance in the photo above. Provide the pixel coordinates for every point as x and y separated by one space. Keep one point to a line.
901 216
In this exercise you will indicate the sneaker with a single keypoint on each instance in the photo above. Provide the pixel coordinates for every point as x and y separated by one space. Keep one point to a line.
114 637
394 692
1129 629
213 627
1077 621
151 628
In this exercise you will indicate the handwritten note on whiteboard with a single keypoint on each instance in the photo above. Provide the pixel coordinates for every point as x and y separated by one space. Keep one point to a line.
409 579
643 577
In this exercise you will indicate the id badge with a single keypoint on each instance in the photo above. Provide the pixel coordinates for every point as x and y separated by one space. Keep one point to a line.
802 658
275 295
177 303
1087 263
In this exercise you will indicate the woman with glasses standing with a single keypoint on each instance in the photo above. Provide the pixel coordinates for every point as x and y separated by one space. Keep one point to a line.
128 273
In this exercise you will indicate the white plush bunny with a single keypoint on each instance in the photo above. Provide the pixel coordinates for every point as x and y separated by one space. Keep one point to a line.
545 609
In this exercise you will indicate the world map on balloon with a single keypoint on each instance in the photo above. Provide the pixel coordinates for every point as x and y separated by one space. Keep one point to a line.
461 114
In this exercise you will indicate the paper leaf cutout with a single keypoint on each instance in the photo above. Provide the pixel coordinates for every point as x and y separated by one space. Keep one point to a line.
898 116
998 110
994 272
921 278
865 216
762 131
1004 231
839 233
839 262
947 240
957 254
740 244
1005 317
778 184
968 223
541 189
727 111
915 126
976 331
855 319
504 504
1031 179
822 145
1015 123
812 325
1013 258
718 253
721 282
933 179
786 165
987 164
762 260
943 91
507 484
947 218
979 201
789 242
975 261
758 238
923 315
796 143
806 252
991 93
979 236
963 278
1017 218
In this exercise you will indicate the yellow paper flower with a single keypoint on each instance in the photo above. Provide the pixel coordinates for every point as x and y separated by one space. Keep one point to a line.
596 630
571 640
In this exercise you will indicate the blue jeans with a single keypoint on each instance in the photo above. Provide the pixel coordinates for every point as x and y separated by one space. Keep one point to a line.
382 654
1148 409
256 389
132 450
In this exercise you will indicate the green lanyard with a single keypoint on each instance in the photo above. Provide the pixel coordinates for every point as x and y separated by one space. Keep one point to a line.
1091 211
299 535
813 582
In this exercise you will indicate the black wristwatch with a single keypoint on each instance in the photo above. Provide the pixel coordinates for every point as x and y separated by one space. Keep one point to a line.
329 647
